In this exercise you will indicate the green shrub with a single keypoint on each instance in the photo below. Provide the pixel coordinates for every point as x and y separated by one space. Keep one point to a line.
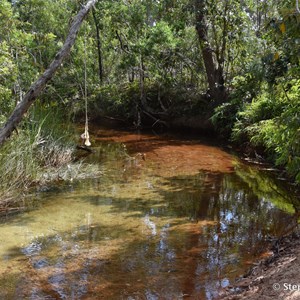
244 89
272 121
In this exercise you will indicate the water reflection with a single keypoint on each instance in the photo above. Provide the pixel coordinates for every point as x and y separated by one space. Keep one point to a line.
179 225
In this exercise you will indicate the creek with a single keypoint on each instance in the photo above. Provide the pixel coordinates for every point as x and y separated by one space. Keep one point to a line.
169 218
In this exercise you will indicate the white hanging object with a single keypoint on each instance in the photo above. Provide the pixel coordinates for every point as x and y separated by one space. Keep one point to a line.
85 136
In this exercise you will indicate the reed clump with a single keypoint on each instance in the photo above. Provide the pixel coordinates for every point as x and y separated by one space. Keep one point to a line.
41 153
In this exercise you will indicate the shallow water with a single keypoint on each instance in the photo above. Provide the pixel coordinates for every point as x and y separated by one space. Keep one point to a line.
180 221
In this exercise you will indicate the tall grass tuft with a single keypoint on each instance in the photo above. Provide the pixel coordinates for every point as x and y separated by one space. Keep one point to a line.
41 152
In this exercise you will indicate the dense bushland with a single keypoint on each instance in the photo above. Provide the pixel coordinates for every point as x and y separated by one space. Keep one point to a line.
150 62
263 113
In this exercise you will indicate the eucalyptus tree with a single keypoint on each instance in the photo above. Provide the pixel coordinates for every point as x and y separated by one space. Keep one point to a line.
151 49
227 34
37 87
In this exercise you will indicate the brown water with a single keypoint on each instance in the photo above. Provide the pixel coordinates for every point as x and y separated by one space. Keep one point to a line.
180 224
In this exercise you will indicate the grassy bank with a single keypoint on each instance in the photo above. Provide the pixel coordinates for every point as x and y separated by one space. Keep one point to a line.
41 153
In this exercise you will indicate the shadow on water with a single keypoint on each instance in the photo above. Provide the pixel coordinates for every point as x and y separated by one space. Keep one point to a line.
174 226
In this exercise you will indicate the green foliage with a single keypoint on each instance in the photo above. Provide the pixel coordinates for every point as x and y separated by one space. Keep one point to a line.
21 160
244 88
42 151
7 78
272 121
151 56
116 100
8 68
262 112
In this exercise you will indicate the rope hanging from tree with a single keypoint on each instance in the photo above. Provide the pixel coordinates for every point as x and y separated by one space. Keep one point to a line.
85 136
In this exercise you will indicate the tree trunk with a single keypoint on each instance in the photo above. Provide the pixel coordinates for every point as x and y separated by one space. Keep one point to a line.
37 87
142 84
214 71
142 103
99 46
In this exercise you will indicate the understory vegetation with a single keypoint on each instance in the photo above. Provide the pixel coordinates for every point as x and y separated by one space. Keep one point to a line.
263 114
231 63
41 153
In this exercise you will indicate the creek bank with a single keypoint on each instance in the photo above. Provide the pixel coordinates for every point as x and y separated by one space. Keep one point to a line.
275 277
200 125
15 199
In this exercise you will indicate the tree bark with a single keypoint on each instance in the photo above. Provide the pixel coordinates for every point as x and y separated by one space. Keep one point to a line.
38 86
99 46
214 71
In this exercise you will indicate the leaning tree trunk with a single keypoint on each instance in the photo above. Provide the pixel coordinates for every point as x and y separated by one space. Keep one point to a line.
37 87
99 46
214 71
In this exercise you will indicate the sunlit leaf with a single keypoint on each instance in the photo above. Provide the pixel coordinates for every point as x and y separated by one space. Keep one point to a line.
282 27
